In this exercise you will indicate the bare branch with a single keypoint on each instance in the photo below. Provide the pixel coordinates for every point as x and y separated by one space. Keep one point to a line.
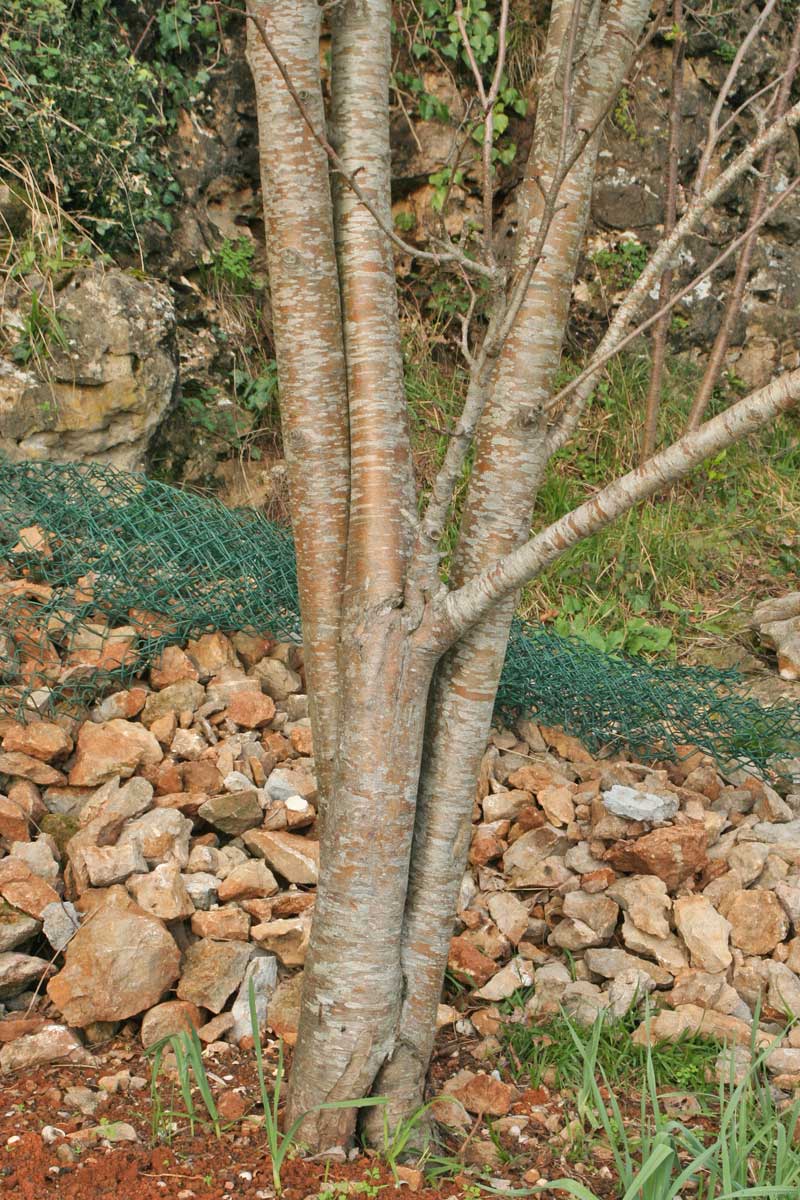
581 388
724 91
488 102
653 405
468 604
736 293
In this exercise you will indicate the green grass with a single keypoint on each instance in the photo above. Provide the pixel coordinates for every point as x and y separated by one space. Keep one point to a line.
550 1046
678 573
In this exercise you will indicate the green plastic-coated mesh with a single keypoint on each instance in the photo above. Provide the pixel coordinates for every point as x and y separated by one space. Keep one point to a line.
102 569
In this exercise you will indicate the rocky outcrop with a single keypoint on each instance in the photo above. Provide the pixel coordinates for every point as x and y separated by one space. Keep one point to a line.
778 624
101 384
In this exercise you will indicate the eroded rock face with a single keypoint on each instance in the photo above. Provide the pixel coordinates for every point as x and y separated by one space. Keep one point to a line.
119 963
778 623
108 388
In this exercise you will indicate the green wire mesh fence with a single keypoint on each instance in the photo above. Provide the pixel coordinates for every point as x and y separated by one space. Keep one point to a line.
101 570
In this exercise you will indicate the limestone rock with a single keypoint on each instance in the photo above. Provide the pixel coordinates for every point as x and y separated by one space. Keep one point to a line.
636 805
233 812
673 853
667 952
25 766
104 393
202 889
644 898
523 857
172 666
184 696
783 993
262 973
60 923
610 963
106 865
689 1020
276 679
480 1093
211 652
162 893
19 971
509 914
286 938
227 924
40 739
778 622
119 963
758 920
705 933
162 835
173 1016
114 748
212 971
250 709
16 927
512 977
295 858
53 1043
708 990
468 964
627 989
284 783
283 1011
251 880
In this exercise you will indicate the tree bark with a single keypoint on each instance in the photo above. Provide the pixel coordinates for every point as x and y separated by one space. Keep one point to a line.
352 985
511 456
303 278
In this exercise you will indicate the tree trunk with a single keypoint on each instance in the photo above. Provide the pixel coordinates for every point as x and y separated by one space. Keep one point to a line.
303 277
352 988
511 456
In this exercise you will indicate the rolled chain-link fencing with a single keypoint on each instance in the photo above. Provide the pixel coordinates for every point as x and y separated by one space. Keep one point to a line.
102 569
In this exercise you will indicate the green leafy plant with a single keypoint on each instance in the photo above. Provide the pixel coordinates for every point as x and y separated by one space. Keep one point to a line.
88 101
41 329
622 265
635 636
232 263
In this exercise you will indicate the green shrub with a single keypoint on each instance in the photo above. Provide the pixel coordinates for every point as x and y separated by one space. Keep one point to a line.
89 115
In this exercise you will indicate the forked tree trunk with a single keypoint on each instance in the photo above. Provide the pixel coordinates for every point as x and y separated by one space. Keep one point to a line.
404 677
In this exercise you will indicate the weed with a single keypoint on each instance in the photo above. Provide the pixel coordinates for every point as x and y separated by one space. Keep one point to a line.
191 1074
232 264
550 1047
623 116
89 116
620 266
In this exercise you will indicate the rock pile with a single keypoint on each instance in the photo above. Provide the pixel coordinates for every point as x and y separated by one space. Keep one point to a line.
161 854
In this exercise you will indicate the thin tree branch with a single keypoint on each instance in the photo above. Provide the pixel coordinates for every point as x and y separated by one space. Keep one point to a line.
653 405
500 325
468 604
728 82
581 388
451 254
558 435
488 102
736 293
